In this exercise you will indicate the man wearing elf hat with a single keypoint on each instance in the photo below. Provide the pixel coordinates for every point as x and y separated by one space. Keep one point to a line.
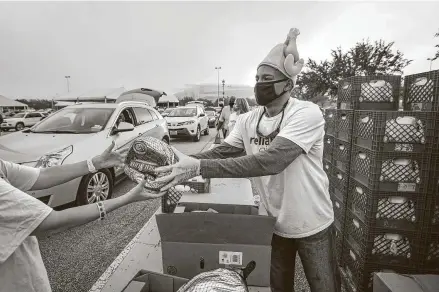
280 144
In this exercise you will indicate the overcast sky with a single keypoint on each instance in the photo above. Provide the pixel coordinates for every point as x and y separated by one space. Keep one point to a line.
167 45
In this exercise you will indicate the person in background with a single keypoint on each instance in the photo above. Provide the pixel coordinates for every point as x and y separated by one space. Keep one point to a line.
23 216
241 107
280 145
223 121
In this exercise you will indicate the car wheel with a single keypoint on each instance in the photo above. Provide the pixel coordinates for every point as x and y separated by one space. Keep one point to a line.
206 132
198 134
95 187
19 126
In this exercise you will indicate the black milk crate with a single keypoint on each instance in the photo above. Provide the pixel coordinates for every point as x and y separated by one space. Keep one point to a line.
328 146
339 212
430 263
327 167
383 245
196 185
369 92
421 91
357 273
338 242
391 171
344 124
330 115
432 224
389 210
340 181
341 155
170 200
404 131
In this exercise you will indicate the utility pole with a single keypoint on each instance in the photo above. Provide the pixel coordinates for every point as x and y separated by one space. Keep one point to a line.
68 84
224 82
218 68
431 61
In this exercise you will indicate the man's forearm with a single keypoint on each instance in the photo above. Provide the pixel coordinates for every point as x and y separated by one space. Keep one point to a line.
79 215
56 175
222 151
274 160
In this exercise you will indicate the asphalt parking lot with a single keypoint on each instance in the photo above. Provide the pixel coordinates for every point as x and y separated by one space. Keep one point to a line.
77 257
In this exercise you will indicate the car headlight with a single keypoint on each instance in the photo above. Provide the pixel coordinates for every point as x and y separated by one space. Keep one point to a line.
54 158
188 122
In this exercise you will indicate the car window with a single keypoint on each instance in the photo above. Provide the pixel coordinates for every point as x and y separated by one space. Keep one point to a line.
154 115
143 115
184 112
125 116
32 115
75 120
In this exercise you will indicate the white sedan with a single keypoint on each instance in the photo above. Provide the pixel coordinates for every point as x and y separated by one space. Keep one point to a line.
22 120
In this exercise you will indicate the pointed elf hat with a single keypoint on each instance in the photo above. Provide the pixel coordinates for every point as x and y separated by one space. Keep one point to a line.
285 57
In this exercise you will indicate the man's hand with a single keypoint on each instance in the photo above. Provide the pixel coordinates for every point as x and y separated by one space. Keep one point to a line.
110 158
138 193
186 168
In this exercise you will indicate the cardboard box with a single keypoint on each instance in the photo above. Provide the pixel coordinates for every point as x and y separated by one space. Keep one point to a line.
146 281
391 282
196 242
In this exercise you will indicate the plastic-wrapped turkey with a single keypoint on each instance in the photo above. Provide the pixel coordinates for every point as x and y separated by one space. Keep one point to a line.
220 280
144 156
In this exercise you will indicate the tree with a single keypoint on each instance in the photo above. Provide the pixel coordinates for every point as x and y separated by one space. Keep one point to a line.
437 46
365 58
185 100
37 104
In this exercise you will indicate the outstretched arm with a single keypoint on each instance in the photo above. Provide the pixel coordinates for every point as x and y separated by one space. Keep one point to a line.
281 153
222 151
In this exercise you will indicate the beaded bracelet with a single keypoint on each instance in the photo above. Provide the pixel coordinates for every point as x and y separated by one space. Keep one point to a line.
101 209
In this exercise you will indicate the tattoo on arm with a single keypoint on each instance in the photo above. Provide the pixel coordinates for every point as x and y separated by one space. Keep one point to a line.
222 151
281 153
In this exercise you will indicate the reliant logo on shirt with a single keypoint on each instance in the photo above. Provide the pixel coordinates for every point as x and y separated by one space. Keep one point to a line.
260 141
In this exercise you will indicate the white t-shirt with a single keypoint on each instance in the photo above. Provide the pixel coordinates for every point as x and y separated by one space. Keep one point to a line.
232 120
225 116
21 265
298 197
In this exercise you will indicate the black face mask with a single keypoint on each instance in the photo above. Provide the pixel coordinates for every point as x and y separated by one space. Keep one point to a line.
265 92
231 104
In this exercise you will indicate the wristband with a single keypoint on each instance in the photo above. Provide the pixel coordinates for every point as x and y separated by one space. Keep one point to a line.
91 167
101 209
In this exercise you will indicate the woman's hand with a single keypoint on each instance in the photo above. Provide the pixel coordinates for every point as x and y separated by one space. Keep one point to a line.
110 158
139 193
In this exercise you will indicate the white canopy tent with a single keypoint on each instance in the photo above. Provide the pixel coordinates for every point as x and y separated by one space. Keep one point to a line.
168 101
95 95
6 103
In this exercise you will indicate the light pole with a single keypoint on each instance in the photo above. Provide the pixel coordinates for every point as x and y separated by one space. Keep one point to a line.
218 68
68 84
431 61
224 82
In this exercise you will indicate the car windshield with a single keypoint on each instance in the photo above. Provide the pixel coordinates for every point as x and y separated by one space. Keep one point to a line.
20 115
210 113
183 112
75 120
168 110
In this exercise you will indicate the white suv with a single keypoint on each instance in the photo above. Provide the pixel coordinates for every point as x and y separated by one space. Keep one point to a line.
188 121
22 120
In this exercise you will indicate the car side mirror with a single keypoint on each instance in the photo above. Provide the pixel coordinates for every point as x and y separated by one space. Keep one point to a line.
202 115
123 127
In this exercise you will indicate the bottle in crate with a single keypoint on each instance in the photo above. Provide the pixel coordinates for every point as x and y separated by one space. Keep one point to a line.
421 91
340 180
391 171
344 125
328 147
357 272
403 131
341 155
389 210
369 92
330 115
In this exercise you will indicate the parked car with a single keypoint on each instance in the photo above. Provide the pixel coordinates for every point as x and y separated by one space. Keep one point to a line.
167 111
213 116
79 132
188 121
22 120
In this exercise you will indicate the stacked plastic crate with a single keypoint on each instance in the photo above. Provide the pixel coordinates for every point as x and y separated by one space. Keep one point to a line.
381 171
421 93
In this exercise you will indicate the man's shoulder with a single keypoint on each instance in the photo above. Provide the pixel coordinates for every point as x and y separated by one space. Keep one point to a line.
304 106
248 116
